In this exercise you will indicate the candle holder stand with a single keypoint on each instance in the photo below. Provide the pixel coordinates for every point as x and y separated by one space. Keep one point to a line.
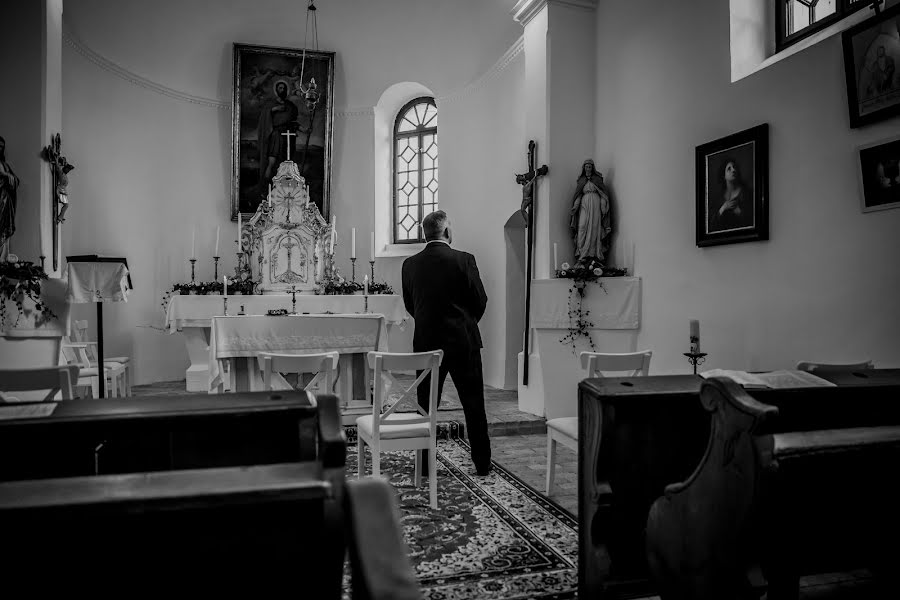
193 262
353 269
365 304
237 269
696 358
293 300
42 257
216 268
225 305
372 264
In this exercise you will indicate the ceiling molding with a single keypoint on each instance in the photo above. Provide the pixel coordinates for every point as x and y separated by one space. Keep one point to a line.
525 10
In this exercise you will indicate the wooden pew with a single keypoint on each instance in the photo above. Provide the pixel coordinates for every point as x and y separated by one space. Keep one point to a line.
795 503
131 435
274 528
640 434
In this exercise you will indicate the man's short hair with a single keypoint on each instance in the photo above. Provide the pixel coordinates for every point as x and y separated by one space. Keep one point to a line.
434 225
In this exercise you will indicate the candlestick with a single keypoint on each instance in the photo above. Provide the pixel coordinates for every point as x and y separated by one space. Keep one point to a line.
216 267
555 258
216 253
193 260
225 305
240 226
696 358
365 304
695 336
42 257
372 263
353 269
237 269
293 300
353 243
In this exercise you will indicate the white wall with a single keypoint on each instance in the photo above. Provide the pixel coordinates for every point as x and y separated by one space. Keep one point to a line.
151 166
826 285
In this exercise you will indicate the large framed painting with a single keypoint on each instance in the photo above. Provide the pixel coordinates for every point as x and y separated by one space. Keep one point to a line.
732 188
879 174
871 61
282 105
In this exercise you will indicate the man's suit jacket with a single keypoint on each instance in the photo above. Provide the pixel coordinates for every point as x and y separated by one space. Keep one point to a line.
443 292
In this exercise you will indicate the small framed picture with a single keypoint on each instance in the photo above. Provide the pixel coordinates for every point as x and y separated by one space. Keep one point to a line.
879 174
732 188
871 58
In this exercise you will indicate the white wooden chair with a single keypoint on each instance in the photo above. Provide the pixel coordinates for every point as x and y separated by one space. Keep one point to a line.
80 336
323 366
596 364
812 367
385 429
89 376
55 379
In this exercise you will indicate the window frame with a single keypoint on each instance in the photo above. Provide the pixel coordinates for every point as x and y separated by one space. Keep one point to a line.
843 9
420 132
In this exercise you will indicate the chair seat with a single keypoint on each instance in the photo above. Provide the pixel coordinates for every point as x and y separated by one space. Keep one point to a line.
108 368
113 359
394 432
565 425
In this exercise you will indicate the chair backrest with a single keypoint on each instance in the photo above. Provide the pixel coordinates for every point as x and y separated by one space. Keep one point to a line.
383 404
322 365
633 364
810 367
56 379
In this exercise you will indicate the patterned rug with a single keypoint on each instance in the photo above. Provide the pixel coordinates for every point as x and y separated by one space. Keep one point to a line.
492 537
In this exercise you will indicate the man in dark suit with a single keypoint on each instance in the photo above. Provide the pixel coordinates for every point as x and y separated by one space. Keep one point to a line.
443 292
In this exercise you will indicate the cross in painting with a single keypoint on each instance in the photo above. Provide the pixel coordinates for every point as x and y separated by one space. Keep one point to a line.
288 135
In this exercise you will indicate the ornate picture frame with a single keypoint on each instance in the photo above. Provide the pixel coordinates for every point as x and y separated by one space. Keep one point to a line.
272 96
872 67
879 174
732 179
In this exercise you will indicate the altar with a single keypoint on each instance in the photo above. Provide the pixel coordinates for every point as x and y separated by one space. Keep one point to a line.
193 315
554 367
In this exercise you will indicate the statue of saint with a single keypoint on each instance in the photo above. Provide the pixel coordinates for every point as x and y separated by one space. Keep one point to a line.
9 183
591 216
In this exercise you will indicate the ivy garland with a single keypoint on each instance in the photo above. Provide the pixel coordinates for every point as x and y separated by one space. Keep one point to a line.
19 280
208 288
581 274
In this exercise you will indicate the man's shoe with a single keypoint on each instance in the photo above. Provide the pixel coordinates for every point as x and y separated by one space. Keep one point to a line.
483 472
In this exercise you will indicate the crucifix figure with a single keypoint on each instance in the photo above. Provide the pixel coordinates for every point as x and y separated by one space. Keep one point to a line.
527 181
288 135
290 244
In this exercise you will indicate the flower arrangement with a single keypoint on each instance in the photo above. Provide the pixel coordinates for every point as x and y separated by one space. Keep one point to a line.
584 272
209 288
20 280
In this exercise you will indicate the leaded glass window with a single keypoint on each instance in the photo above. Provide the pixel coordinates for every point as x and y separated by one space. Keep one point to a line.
415 168
797 19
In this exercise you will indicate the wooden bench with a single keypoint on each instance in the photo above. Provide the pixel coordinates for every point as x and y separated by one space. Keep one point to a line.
640 434
794 503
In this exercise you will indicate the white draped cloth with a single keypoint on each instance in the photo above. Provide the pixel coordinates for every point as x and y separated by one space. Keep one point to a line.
247 336
198 311
97 282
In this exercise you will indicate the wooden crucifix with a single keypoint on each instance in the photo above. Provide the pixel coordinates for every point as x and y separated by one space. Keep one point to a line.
528 181
59 174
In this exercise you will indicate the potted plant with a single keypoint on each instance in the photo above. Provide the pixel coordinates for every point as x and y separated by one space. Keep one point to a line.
20 287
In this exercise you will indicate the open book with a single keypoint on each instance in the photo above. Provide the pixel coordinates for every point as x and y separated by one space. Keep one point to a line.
786 378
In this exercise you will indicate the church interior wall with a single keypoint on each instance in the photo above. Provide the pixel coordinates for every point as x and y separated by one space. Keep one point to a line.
825 286
151 167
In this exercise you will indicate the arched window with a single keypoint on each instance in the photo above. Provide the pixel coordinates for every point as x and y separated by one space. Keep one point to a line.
415 168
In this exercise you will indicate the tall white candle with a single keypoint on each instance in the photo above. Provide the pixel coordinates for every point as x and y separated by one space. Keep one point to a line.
353 243
193 242
239 233
695 335
366 285
225 281
373 246
333 231
555 258
216 253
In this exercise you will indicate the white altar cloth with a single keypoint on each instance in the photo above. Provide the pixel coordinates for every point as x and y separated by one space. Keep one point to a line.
243 337
192 316
198 311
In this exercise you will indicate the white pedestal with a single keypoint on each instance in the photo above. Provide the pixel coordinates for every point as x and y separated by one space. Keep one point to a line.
196 340
554 369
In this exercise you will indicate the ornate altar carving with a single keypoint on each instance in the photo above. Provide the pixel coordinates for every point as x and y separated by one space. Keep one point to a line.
289 239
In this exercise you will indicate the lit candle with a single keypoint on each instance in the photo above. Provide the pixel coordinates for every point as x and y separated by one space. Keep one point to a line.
555 258
333 231
366 285
695 336
373 246
353 243
193 242
216 253
225 281
239 233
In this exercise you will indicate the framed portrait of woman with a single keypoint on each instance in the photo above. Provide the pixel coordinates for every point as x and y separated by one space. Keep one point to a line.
871 61
879 174
732 188
282 108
